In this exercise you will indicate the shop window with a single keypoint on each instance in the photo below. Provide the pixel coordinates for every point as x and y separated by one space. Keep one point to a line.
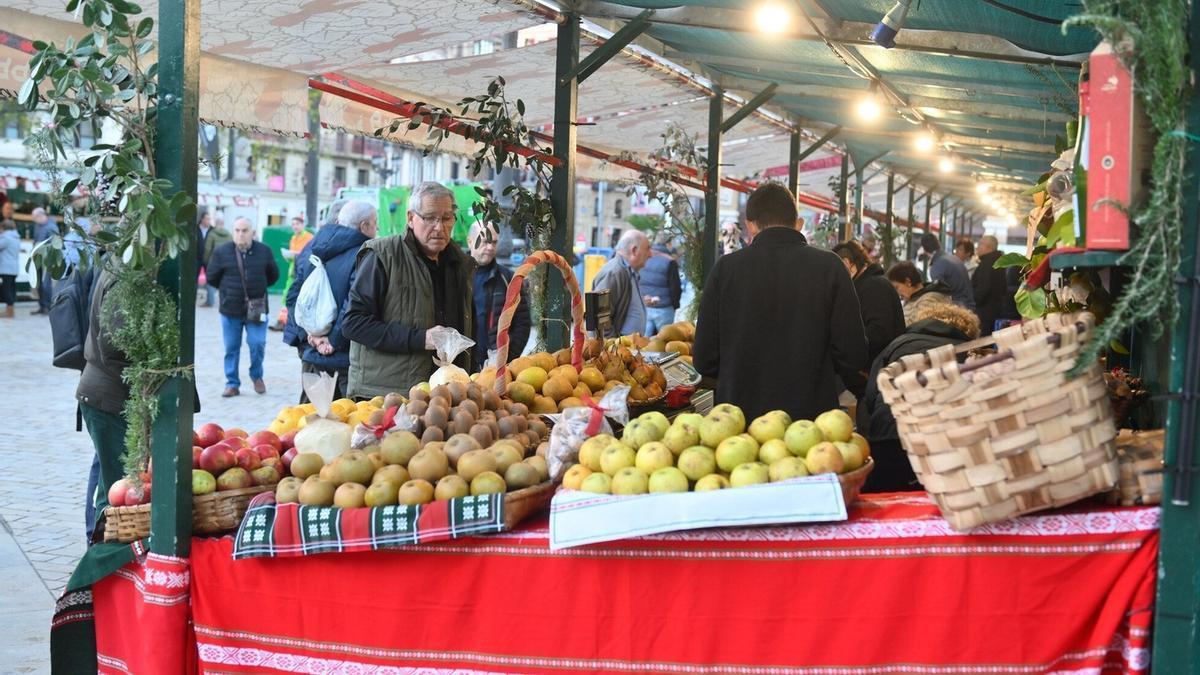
364 177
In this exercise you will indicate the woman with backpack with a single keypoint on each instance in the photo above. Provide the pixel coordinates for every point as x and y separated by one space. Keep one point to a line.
10 264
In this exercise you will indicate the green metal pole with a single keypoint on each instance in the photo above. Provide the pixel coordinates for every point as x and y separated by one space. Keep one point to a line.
928 210
889 254
712 184
843 204
175 157
854 228
794 163
1177 608
908 228
312 162
942 229
562 183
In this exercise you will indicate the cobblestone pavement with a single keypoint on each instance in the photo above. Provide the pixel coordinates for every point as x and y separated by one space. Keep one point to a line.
44 464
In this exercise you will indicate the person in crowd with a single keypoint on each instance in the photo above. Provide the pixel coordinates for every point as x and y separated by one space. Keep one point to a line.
490 288
293 291
993 301
300 238
731 237
936 324
337 246
405 286
882 314
949 270
779 319
212 235
44 228
661 286
964 250
907 281
10 266
243 270
619 277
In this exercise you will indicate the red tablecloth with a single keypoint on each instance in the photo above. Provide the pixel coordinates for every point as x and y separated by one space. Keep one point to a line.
891 590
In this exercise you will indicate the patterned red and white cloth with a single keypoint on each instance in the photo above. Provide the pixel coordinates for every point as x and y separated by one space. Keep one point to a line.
892 590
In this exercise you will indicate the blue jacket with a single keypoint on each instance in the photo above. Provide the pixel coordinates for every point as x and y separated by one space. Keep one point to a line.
337 247
10 252
660 277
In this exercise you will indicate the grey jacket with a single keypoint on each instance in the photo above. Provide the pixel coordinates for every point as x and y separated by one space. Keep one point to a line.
625 296
10 252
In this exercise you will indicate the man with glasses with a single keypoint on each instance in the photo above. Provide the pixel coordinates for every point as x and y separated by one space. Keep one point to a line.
403 287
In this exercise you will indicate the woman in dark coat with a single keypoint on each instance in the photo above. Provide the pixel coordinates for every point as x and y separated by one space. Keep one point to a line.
878 303
936 324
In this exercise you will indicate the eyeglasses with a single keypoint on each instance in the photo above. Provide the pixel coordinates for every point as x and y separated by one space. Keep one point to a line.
444 220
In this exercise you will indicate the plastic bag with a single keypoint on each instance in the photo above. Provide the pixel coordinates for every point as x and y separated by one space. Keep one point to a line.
399 419
316 309
577 424
324 436
449 343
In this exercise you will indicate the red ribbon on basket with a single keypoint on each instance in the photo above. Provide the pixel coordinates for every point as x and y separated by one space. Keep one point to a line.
389 421
597 417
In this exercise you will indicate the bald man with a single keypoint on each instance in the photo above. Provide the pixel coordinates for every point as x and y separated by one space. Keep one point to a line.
243 270
619 277
993 302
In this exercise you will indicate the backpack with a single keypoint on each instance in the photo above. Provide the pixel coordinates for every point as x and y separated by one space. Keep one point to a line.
70 316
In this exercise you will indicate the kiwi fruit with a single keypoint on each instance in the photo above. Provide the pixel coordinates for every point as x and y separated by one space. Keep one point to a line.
436 417
539 426
502 413
459 445
415 492
417 408
475 394
482 434
519 409
506 455
375 418
451 487
494 425
521 475
429 464
443 392
507 427
491 400
392 400
469 406
458 392
522 422
538 462
418 394
476 462
488 482
432 435
533 437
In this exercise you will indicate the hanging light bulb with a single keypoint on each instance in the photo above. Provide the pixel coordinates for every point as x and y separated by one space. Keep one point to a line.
924 142
771 17
946 165
982 188
868 109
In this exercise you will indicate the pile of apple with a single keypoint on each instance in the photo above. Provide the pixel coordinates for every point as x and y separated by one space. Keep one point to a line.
403 470
233 459
715 452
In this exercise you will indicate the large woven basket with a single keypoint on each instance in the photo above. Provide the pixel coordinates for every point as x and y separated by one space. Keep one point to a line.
213 513
1140 468
1010 433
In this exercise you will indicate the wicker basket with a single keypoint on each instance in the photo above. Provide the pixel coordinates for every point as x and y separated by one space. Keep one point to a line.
852 482
520 504
1140 468
1010 433
213 513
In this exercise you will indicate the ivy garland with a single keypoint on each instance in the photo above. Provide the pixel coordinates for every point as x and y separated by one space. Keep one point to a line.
1157 30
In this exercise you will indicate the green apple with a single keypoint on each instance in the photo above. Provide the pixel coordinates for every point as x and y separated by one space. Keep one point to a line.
668 479
851 455
824 458
697 461
692 419
836 425
629 481
203 482
862 444
615 457
731 409
749 473
598 483
782 416
589 452
717 427
801 436
787 468
767 428
640 432
653 456
773 451
682 436
713 481
657 419
736 450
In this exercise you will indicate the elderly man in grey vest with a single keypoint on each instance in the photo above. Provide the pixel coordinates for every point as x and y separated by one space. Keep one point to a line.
403 287
619 277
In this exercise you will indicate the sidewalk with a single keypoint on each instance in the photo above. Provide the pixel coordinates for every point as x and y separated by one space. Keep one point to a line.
44 465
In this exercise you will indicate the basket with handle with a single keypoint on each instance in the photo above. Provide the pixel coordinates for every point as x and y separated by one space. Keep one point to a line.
213 513
513 298
1010 433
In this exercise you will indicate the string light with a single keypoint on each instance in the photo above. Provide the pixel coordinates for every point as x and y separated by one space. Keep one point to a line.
924 142
982 188
946 165
772 18
868 109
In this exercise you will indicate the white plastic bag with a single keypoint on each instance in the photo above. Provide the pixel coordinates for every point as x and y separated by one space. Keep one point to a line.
316 309
577 424
449 343
326 437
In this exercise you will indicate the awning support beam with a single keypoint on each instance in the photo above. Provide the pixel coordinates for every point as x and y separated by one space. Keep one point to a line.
712 181
746 110
828 136
793 183
562 181
611 47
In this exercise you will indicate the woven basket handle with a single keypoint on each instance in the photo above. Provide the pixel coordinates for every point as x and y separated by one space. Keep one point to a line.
513 298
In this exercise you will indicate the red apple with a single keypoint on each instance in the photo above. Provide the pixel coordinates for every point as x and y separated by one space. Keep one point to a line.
287 441
118 491
196 452
238 442
234 479
137 494
265 438
275 463
248 459
230 433
265 451
288 457
265 475
209 434
195 438
217 458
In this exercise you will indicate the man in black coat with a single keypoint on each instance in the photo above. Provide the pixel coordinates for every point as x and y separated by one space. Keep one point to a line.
779 318
243 270
993 300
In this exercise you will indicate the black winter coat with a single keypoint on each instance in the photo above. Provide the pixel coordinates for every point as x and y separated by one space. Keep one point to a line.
778 319
222 271
882 313
992 298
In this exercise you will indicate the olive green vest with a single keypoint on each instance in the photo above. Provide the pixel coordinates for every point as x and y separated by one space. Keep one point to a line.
409 301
